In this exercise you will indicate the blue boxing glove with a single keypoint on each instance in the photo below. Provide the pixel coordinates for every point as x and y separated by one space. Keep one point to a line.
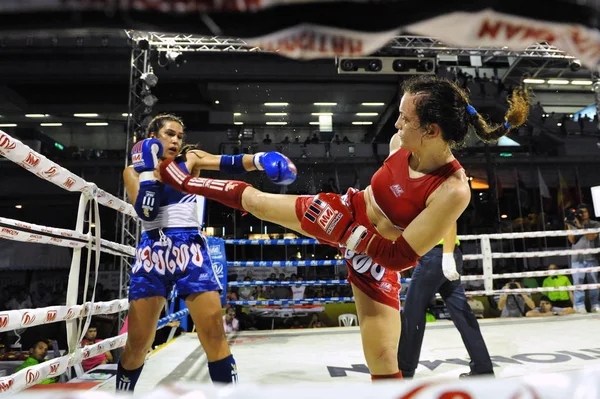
279 168
144 157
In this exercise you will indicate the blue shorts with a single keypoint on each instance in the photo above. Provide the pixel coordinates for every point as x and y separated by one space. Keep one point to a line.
178 258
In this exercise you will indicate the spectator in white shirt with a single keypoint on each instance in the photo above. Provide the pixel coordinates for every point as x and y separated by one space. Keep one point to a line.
298 290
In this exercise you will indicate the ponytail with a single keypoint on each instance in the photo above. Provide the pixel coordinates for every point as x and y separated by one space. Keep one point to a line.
516 115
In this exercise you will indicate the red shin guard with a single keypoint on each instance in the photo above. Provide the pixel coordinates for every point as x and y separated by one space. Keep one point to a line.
397 376
227 192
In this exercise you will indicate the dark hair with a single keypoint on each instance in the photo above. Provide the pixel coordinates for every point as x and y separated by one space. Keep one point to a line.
445 103
159 121
545 298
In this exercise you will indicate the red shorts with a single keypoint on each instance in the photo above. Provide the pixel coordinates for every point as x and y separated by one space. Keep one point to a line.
375 281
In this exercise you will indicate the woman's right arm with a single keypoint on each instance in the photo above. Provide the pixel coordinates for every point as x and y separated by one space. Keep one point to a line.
132 183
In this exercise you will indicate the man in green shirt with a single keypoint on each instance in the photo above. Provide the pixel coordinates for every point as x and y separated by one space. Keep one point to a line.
562 299
37 354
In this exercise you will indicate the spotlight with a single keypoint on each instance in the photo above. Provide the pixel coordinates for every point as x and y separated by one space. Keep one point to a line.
149 100
142 44
425 66
596 87
375 65
400 66
149 78
175 57
574 65
348 65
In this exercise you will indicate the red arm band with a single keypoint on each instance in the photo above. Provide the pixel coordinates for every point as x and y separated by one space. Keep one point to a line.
397 256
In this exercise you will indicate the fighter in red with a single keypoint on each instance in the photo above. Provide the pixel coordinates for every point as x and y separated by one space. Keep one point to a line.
414 199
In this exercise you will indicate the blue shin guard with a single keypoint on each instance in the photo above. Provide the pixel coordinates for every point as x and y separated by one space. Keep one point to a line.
223 371
126 379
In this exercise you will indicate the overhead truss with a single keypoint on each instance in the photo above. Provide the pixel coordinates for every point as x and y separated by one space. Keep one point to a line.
417 44
421 44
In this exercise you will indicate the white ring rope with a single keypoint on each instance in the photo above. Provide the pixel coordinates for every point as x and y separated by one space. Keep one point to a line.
25 318
29 232
44 168
536 290
529 234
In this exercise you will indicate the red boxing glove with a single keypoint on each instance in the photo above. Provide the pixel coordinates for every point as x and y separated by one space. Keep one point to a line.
327 218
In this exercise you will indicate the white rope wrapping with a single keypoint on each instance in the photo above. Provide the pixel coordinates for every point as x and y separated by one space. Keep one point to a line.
541 273
25 318
541 254
44 168
55 367
65 237
529 234
536 290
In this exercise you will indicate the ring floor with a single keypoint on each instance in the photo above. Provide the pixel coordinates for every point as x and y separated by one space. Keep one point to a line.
518 347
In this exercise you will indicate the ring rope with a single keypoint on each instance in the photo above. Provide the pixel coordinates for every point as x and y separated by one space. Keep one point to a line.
27 158
467 237
536 290
25 318
546 273
304 301
307 283
276 263
17 230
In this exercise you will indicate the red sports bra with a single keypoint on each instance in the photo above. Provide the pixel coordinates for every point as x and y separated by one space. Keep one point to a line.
398 196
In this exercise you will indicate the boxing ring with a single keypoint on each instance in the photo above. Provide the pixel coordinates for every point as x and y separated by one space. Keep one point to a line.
541 357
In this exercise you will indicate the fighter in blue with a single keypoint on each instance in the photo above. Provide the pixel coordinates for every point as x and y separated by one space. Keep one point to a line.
172 252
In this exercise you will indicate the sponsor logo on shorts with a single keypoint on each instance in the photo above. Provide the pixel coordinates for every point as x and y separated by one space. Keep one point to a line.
386 287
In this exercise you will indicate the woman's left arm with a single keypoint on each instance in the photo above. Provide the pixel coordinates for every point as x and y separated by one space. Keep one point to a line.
197 160
438 218
278 168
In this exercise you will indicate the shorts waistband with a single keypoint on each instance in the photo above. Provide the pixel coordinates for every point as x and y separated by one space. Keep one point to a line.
154 234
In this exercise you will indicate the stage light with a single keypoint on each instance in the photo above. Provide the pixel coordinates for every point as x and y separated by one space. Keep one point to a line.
348 65
575 65
425 66
149 78
375 65
149 100
142 44
175 57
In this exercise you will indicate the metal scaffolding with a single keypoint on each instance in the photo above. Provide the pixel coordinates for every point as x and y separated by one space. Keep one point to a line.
130 227
428 45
